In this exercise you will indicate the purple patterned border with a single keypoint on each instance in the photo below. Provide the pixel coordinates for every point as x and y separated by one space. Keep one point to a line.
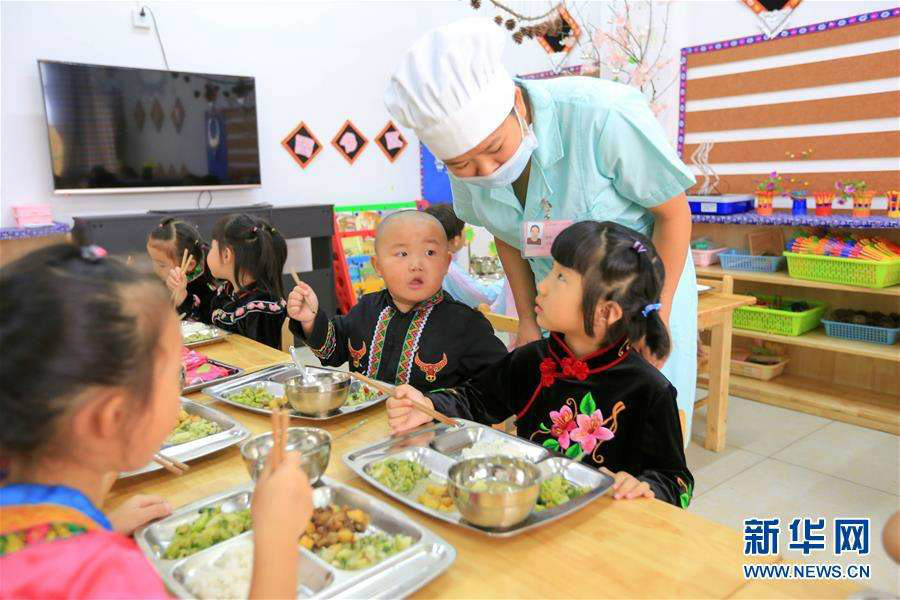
574 70
19 233
788 220
756 39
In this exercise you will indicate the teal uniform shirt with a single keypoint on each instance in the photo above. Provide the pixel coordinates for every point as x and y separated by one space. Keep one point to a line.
603 156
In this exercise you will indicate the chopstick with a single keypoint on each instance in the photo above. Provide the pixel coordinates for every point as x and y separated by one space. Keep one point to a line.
295 277
280 422
184 262
170 464
385 388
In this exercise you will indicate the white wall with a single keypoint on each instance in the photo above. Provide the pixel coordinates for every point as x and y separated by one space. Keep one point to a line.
320 62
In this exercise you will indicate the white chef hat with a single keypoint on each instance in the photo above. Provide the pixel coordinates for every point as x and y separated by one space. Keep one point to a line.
451 87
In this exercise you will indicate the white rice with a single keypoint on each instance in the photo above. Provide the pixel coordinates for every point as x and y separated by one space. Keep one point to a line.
494 448
227 577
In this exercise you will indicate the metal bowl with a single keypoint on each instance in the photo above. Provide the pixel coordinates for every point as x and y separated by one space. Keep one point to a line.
319 394
313 443
512 490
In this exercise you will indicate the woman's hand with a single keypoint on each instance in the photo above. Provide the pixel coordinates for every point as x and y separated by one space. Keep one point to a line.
402 416
137 511
528 332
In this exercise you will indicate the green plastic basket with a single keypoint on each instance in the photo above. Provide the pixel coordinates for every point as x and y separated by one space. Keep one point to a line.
782 322
848 271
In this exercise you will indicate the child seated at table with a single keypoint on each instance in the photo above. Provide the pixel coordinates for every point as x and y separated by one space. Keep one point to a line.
247 254
89 387
585 391
410 332
167 244
458 282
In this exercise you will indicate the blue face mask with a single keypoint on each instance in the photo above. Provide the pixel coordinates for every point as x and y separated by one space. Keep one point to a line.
509 171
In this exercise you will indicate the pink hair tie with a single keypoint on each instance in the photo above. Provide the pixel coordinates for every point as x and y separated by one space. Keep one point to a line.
638 247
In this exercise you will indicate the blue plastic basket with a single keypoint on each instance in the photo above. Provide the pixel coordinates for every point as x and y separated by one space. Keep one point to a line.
732 260
861 333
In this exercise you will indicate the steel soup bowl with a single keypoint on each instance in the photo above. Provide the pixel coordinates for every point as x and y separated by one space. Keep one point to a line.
496 492
313 443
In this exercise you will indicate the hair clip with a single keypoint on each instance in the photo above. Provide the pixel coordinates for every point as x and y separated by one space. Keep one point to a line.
255 229
92 253
650 308
638 247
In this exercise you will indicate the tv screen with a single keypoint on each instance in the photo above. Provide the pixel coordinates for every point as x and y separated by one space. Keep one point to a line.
118 129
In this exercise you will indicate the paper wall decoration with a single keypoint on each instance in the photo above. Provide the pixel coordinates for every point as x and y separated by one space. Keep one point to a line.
302 145
349 142
391 141
772 15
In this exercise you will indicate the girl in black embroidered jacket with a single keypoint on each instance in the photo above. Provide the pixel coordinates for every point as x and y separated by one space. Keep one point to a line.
248 254
166 244
586 391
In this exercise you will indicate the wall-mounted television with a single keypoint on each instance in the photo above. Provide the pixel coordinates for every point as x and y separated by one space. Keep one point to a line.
116 130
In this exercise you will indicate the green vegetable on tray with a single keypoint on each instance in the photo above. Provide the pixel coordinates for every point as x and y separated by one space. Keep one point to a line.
191 427
399 475
200 336
365 551
210 528
257 397
361 394
557 490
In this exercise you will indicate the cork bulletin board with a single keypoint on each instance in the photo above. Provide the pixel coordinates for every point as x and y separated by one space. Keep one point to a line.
819 103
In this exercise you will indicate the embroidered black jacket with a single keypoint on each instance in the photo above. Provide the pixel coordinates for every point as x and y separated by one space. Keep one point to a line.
612 409
200 292
250 312
439 343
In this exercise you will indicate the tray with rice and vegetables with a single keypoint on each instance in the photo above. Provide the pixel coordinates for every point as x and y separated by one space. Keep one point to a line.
354 546
261 390
414 468
201 430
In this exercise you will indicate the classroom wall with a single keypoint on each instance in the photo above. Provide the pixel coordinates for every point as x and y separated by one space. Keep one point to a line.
320 62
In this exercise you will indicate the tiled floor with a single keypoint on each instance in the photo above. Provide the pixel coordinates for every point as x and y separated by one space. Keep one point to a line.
786 464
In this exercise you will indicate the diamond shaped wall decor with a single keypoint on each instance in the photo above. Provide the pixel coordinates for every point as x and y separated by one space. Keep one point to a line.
349 142
391 141
302 145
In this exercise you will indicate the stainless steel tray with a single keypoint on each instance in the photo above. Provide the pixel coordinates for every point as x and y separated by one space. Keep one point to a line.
397 576
439 446
238 372
270 378
232 433
217 335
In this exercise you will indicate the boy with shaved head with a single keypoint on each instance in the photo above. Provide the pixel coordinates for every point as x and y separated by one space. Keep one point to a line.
412 331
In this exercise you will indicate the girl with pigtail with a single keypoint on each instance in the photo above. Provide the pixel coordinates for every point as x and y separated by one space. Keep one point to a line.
248 255
585 392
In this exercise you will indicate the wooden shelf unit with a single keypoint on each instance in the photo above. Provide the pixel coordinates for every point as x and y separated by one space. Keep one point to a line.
818 340
782 278
845 380
839 402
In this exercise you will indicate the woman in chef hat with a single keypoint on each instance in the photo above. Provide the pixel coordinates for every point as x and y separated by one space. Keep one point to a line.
550 152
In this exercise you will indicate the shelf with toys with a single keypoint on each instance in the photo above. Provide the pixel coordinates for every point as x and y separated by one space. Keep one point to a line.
837 268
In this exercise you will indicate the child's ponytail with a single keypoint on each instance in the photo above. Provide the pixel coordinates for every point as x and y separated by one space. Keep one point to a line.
260 251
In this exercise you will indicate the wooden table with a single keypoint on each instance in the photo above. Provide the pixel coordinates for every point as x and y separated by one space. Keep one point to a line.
611 548
714 310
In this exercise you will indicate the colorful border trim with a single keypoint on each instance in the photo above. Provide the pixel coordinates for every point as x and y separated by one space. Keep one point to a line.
20 233
760 38
789 220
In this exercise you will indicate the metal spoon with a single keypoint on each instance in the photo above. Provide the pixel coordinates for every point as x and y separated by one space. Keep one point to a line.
308 379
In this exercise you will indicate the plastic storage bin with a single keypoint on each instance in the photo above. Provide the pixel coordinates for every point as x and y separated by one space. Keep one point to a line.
704 258
861 333
781 322
848 271
732 260
720 205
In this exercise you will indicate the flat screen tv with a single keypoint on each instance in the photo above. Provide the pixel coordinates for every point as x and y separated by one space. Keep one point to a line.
115 129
